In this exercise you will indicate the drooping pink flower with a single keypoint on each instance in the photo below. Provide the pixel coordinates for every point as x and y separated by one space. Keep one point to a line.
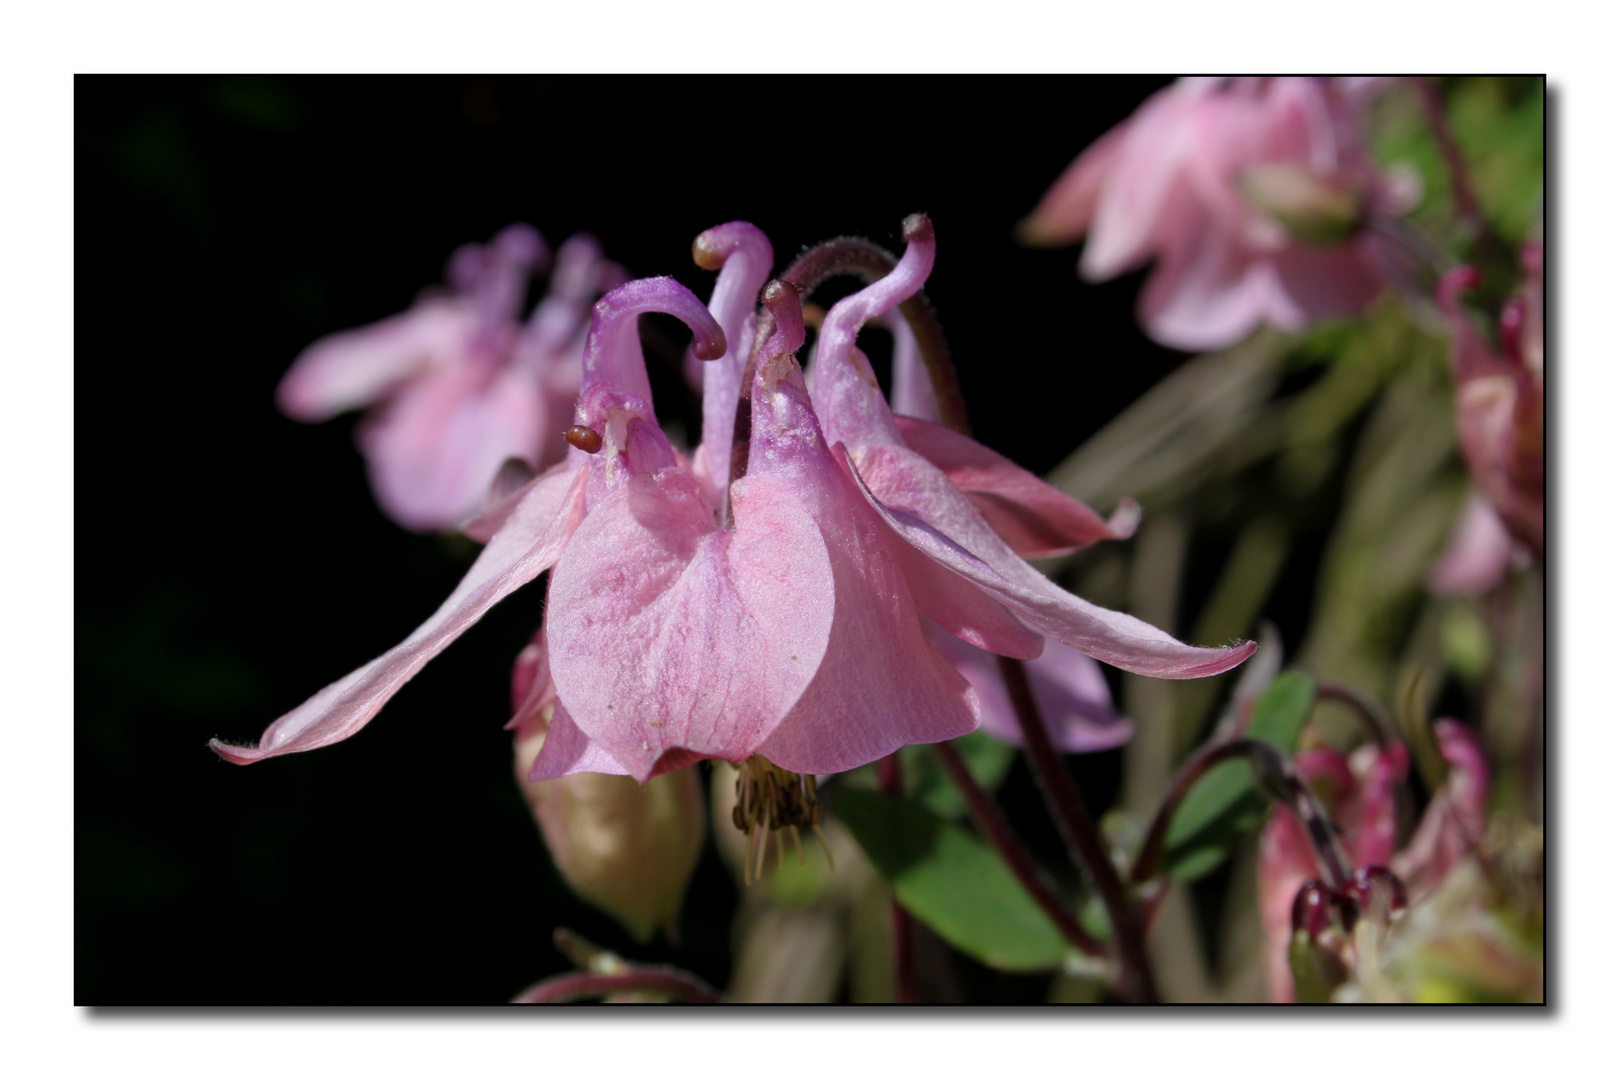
1250 193
528 530
1500 410
1360 792
458 385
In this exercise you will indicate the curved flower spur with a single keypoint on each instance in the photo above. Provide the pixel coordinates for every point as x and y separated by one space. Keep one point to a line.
457 384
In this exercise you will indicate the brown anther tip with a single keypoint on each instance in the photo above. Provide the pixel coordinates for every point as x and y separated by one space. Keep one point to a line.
917 227
705 254
586 439
712 350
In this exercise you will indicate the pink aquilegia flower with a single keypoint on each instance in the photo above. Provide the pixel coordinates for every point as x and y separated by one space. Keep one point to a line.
1500 411
771 615
1360 792
457 385
1250 193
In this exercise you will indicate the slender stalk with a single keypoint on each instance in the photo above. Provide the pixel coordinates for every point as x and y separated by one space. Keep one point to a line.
987 816
905 961
1277 778
1367 711
1462 191
1079 833
578 985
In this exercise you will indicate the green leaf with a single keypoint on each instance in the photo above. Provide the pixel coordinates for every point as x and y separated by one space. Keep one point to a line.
1225 805
951 881
988 759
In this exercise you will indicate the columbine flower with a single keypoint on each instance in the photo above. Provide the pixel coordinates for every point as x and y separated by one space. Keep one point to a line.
1251 193
1499 400
1360 791
774 617
459 386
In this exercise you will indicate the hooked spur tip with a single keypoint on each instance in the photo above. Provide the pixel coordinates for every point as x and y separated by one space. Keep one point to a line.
776 293
917 228
712 349
707 252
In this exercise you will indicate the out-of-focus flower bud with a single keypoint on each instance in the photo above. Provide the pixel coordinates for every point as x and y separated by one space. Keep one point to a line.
626 847
1316 968
1312 206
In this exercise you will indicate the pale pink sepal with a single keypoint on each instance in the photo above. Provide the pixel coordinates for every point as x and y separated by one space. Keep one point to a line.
529 543
667 632
1069 688
567 750
1032 516
352 369
922 506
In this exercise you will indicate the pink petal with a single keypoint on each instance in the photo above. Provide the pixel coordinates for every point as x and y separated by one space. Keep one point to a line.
668 633
1064 213
435 448
567 750
512 481
530 542
1145 185
912 393
1477 555
1208 292
1369 816
357 367
920 504
1070 691
1455 819
1032 516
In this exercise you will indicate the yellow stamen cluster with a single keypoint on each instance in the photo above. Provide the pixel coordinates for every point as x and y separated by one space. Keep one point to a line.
770 799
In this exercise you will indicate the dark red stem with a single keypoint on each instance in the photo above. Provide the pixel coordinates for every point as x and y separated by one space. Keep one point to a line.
1079 833
987 816
905 962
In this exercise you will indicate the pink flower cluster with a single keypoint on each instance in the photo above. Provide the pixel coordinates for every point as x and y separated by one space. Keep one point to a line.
1252 194
784 606
1362 792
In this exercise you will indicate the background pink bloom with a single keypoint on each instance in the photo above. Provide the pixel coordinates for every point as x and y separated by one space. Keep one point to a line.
457 384
1361 793
1179 182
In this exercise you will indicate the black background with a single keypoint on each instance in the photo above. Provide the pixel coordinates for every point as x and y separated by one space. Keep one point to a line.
230 562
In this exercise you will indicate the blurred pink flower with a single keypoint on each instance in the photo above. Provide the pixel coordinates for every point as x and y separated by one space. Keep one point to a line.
1478 553
1251 194
457 385
1500 410
1361 793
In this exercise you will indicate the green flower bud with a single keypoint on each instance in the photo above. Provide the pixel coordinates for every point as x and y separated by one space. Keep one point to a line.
1314 208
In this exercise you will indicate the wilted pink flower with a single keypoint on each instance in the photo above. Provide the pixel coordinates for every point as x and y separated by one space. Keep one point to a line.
457 385
1251 194
1500 401
1360 792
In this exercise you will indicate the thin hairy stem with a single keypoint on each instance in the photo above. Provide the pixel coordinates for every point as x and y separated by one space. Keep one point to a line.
987 816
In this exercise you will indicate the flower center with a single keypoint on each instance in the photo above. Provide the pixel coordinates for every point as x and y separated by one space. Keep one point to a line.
770 799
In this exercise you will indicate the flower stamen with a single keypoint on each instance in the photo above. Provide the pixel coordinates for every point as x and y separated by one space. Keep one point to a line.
770 799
